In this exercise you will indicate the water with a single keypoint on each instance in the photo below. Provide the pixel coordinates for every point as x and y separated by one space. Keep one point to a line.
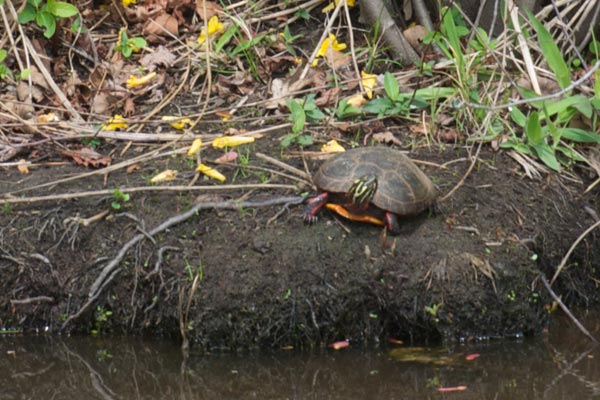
559 365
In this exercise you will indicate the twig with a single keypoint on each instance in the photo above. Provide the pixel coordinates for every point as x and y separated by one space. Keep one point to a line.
462 180
571 249
567 311
108 192
284 166
111 269
37 299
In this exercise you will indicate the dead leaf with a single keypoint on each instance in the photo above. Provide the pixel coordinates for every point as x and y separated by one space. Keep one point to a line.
133 167
328 97
386 137
87 157
212 9
163 25
159 57
228 157
414 35
22 167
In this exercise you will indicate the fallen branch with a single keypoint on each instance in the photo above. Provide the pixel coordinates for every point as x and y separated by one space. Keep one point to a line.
567 311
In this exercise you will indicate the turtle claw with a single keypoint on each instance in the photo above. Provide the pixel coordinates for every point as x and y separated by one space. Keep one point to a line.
309 219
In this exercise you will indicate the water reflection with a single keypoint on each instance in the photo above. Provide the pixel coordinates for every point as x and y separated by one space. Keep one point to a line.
557 366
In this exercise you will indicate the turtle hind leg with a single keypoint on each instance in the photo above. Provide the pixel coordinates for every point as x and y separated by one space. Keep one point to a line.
391 223
313 206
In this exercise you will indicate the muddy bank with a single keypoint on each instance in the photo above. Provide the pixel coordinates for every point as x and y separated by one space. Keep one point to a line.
261 277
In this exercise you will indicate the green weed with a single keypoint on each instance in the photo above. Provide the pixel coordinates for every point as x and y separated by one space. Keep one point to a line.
302 111
45 14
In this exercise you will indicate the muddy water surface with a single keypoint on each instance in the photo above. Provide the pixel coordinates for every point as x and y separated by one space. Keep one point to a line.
560 365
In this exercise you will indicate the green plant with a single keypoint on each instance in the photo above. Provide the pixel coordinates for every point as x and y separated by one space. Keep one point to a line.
4 71
102 316
45 14
398 103
346 110
127 46
301 111
7 209
433 311
548 133
119 198
199 270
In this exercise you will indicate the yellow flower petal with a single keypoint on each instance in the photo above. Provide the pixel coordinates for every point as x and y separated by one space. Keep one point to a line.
211 172
127 3
177 122
214 26
357 100
166 175
133 82
195 147
329 7
369 81
231 141
332 147
116 122
330 42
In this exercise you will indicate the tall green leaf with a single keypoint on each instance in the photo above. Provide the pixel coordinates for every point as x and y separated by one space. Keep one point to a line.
551 52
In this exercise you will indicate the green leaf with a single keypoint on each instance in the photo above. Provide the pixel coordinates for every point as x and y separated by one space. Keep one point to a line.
287 141
580 103
25 73
137 43
534 129
520 147
3 54
551 52
518 117
570 153
390 84
62 9
248 43
46 21
315 115
545 153
27 15
579 135
226 37
297 116
126 51
304 140
377 106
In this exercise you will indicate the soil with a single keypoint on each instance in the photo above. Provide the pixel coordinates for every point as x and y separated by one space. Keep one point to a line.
262 277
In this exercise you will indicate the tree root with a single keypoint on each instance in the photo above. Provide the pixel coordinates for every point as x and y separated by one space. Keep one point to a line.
111 269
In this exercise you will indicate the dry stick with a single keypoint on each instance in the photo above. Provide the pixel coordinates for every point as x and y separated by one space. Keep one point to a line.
352 49
105 192
462 180
514 15
571 249
567 311
284 166
111 269
324 35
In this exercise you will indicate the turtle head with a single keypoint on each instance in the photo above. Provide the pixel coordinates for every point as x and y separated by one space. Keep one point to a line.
362 190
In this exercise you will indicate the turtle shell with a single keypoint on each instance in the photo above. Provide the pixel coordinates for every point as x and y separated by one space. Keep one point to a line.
403 188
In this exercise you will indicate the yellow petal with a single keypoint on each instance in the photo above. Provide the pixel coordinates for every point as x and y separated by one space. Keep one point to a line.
195 147
231 141
214 26
330 42
116 122
127 3
166 175
369 81
22 166
211 172
357 100
133 82
177 122
332 147
329 7
49 117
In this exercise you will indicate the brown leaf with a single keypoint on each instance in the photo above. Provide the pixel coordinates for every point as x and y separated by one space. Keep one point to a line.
414 35
87 157
163 25
161 56
386 137
212 9
328 97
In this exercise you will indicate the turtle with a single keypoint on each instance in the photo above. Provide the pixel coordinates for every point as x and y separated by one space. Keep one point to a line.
371 184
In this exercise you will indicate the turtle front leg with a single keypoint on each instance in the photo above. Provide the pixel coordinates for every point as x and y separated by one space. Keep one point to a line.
313 206
391 223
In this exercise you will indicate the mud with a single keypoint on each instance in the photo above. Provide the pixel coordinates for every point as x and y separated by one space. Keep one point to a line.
262 278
